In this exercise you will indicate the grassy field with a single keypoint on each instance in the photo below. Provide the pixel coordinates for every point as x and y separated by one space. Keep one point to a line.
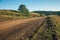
48 30
56 20
12 14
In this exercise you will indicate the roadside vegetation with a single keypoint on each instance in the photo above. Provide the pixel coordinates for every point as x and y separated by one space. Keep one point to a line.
21 13
11 14
56 20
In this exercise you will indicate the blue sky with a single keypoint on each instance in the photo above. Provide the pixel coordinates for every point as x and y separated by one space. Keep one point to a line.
48 5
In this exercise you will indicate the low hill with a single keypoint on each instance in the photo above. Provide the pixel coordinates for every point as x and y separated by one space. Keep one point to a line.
13 14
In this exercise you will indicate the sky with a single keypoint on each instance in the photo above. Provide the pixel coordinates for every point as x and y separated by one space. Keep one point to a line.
32 5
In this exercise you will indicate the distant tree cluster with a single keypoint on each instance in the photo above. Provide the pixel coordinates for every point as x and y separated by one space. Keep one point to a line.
23 10
49 12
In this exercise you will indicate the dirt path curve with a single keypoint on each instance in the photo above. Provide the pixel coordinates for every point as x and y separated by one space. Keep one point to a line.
14 30
9 24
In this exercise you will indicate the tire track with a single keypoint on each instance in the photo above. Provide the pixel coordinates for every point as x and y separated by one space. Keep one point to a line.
46 32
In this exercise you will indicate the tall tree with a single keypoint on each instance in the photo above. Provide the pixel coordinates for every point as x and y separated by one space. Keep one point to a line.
23 10
27 12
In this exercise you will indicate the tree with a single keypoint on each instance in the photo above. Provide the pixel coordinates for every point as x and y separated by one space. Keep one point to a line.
23 10
27 12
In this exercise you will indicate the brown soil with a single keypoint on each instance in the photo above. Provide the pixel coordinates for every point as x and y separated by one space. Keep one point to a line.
9 24
13 30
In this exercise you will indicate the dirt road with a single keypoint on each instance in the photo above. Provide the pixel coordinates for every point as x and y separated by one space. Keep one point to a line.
13 30
9 24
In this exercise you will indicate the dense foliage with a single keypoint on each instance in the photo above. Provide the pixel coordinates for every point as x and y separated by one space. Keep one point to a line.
23 10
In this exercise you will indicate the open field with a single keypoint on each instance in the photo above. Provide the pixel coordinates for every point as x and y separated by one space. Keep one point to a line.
29 19
40 28
12 14
14 26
